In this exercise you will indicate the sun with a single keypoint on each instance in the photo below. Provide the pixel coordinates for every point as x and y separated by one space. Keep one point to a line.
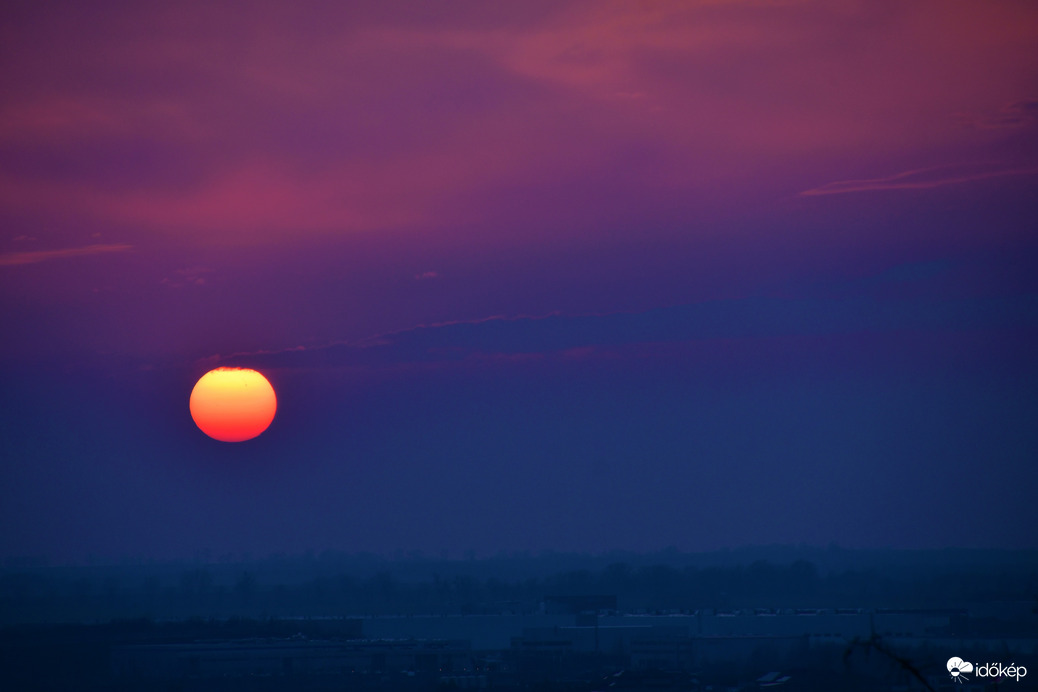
233 404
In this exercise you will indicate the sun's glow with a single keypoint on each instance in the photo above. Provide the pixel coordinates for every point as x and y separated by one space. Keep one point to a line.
233 404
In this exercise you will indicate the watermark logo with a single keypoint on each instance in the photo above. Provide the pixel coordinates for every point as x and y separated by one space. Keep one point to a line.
958 668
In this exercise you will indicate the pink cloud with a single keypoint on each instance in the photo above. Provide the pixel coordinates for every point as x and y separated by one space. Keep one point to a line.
283 122
11 259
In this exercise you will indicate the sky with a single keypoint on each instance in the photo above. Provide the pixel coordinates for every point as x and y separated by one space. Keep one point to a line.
570 276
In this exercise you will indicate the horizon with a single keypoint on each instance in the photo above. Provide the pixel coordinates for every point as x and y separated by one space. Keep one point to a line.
777 554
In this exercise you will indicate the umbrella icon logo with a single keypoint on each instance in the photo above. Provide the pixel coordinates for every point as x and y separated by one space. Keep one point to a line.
957 667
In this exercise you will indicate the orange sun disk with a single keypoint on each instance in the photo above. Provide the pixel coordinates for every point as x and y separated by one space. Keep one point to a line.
233 404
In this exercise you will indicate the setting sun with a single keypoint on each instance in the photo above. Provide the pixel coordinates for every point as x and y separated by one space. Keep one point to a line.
233 404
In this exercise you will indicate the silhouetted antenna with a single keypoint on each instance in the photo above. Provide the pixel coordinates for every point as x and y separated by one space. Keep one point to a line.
876 642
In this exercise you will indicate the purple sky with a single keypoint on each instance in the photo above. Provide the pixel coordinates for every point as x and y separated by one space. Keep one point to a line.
563 275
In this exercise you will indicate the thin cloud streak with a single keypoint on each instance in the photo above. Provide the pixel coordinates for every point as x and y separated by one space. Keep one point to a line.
12 259
909 180
753 318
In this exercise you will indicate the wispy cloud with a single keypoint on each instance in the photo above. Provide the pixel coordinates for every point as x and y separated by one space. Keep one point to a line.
1021 113
522 338
680 97
918 179
11 259
189 276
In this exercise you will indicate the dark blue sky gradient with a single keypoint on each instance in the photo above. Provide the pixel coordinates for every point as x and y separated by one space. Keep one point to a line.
580 277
